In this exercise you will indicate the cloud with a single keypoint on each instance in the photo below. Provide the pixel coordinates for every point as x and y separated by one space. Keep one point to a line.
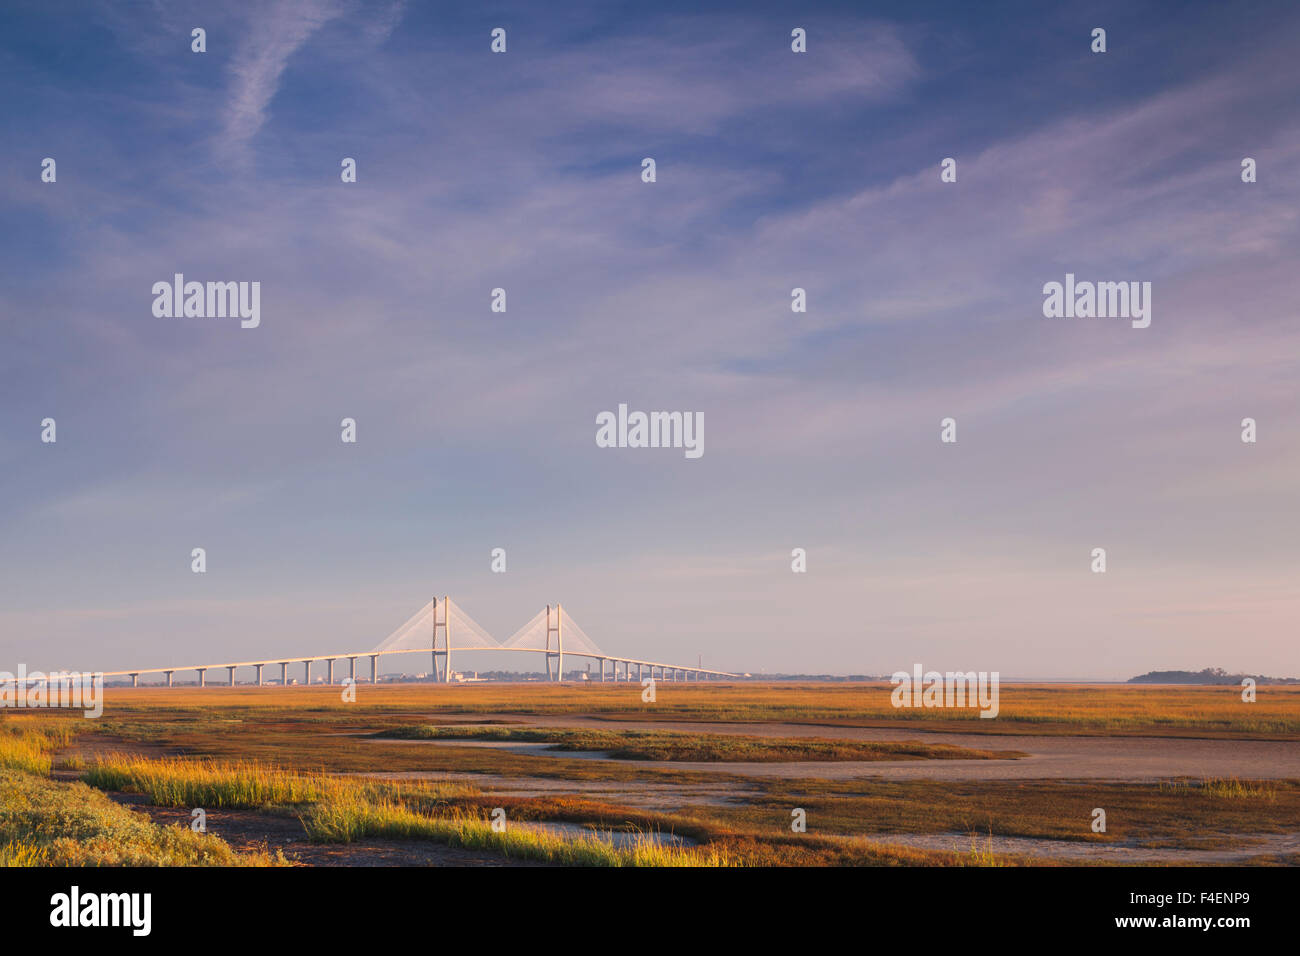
260 61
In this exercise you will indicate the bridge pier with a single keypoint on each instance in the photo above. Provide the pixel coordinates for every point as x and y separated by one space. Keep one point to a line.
259 674
135 680
169 677
232 676
374 669
284 673
306 672
331 670
202 682
352 663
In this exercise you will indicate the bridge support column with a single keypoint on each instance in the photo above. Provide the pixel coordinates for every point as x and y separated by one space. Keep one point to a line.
259 674
331 669
135 680
306 673
232 676
201 678
284 673
374 669
352 669
169 677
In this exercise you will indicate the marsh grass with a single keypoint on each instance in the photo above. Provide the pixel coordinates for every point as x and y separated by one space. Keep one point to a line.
172 782
47 823
344 810
983 856
26 744
1121 710
679 746
20 853
1226 788
250 785
346 817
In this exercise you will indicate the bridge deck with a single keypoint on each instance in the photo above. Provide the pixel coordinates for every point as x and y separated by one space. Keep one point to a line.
354 655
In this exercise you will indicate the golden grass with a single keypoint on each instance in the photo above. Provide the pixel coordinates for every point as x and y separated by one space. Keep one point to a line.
26 743
1184 711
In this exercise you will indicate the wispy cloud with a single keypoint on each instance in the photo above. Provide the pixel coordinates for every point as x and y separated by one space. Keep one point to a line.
260 61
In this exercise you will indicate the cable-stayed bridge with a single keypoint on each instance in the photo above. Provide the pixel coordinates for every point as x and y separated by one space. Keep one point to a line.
441 628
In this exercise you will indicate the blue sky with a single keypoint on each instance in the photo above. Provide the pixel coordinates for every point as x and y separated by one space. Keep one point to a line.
775 170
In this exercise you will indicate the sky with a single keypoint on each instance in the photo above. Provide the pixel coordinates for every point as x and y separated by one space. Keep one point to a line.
774 170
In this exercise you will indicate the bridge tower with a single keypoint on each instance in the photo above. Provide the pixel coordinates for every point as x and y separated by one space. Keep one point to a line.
445 624
559 645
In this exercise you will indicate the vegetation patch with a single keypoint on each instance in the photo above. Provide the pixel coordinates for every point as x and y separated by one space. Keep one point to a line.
670 745
46 823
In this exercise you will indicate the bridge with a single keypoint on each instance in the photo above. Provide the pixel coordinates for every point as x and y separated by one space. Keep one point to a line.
439 628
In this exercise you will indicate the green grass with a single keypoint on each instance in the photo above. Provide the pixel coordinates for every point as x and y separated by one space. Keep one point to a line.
246 785
678 746
189 783
46 823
